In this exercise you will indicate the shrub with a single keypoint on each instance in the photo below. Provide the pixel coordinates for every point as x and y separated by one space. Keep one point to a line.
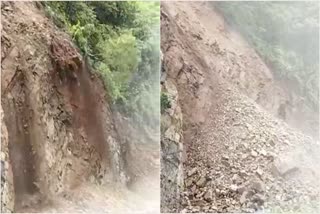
165 102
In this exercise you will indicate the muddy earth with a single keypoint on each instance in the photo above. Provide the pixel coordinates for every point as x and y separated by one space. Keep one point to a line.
229 142
64 148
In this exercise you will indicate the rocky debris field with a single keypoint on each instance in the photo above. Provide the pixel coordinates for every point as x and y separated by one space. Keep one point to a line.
243 160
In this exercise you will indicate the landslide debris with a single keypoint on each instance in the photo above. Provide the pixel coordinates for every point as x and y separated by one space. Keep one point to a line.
238 156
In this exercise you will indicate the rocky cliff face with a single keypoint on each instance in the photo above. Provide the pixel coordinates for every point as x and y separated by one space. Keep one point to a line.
7 191
171 150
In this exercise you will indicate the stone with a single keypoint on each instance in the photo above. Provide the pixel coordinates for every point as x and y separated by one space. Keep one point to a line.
91 179
3 156
201 182
271 156
257 185
185 210
284 167
193 189
189 182
254 153
6 165
241 189
243 197
225 157
236 179
244 156
225 163
249 127
263 152
200 194
208 196
271 142
192 171
243 136
259 171
259 199
243 173
233 187
177 137
198 202
7 8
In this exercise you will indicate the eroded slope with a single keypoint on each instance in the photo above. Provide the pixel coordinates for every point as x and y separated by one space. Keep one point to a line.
65 144
237 155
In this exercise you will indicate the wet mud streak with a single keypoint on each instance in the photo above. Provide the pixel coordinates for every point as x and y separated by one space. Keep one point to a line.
87 111
20 152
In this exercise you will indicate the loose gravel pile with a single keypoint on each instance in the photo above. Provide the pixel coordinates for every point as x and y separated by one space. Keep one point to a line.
243 160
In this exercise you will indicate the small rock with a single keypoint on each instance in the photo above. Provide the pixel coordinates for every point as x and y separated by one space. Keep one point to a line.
284 167
271 156
263 152
201 182
243 173
185 210
259 199
271 143
3 156
7 8
189 182
192 171
225 157
6 165
254 153
243 197
208 196
206 208
198 202
236 179
241 189
217 191
257 185
233 187
259 172
244 156
243 136
193 189
92 179
278 197
214 208
225 163
200 194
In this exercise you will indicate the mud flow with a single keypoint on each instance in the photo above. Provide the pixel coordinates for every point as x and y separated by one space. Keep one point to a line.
86 107
20 150
23 161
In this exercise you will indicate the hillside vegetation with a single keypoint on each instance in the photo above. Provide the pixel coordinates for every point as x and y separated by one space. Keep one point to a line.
121 42
286 35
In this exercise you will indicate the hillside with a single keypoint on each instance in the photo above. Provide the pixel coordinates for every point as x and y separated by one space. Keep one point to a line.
65 146
230 142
